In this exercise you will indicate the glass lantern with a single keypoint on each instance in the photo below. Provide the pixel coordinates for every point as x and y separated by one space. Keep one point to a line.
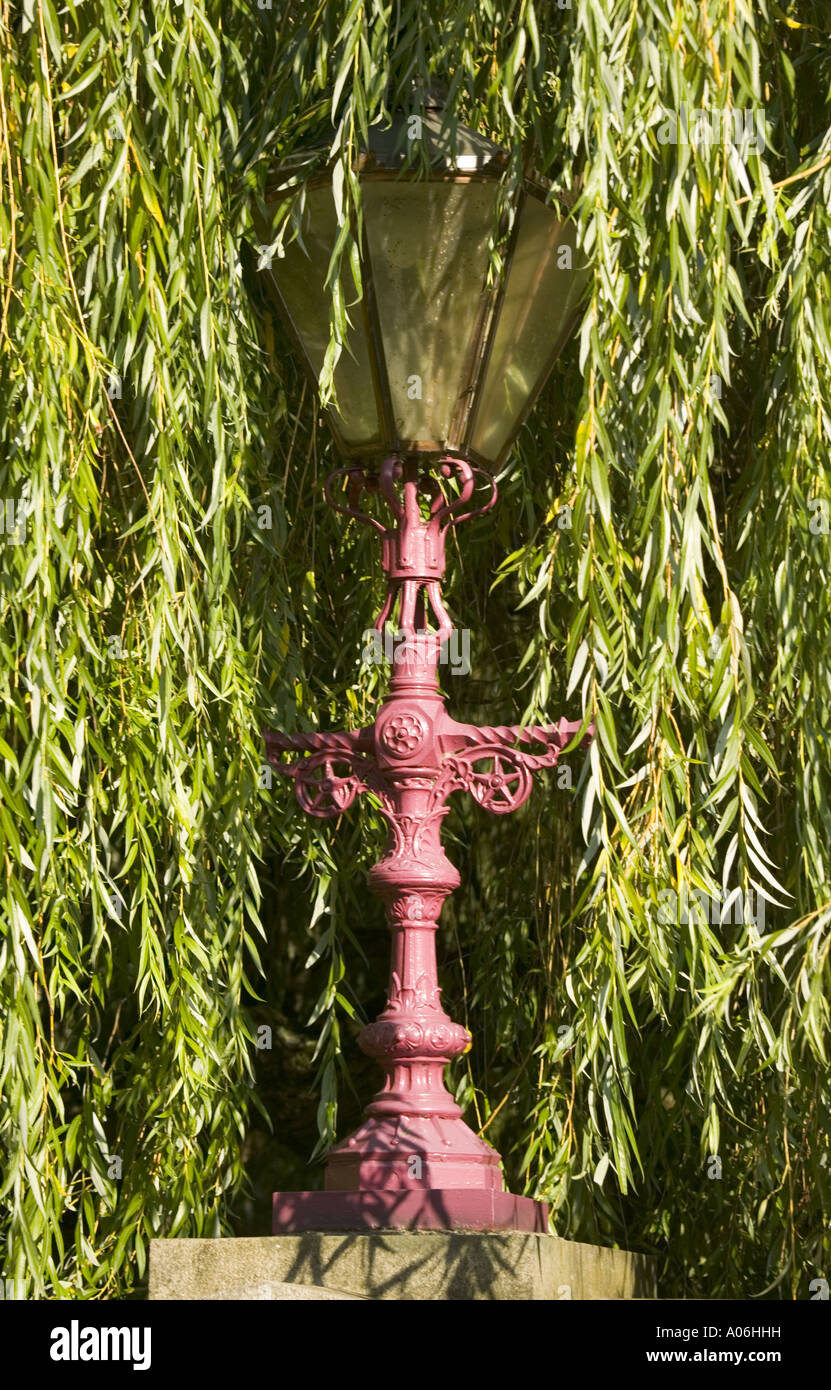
437 359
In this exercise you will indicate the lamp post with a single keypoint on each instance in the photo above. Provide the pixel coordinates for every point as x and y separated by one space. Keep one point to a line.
439 371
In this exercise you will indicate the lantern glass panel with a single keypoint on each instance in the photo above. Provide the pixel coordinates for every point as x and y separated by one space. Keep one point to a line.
541 292
428 245
300 276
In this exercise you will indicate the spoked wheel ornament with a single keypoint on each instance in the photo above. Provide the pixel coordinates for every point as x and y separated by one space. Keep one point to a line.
320 791
504 788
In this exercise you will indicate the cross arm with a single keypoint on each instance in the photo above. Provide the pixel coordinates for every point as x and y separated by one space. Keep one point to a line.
486 761
330 771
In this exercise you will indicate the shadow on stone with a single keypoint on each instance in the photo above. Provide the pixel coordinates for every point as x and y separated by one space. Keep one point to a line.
398 1265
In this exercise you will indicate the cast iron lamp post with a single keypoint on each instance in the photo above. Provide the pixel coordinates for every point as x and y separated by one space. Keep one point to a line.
439 371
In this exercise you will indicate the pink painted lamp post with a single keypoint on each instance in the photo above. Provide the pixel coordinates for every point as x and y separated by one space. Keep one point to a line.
439 373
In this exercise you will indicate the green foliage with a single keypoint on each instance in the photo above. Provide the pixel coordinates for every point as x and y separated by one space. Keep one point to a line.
178 583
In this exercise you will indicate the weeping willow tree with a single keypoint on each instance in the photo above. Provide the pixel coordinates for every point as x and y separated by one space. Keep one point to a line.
172 581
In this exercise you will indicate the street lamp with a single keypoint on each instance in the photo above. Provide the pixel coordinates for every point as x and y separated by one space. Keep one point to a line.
442 362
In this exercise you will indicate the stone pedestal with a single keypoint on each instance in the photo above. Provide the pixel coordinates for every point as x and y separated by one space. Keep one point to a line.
408 1265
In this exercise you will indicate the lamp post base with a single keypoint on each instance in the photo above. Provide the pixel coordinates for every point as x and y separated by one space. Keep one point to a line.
414 1209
